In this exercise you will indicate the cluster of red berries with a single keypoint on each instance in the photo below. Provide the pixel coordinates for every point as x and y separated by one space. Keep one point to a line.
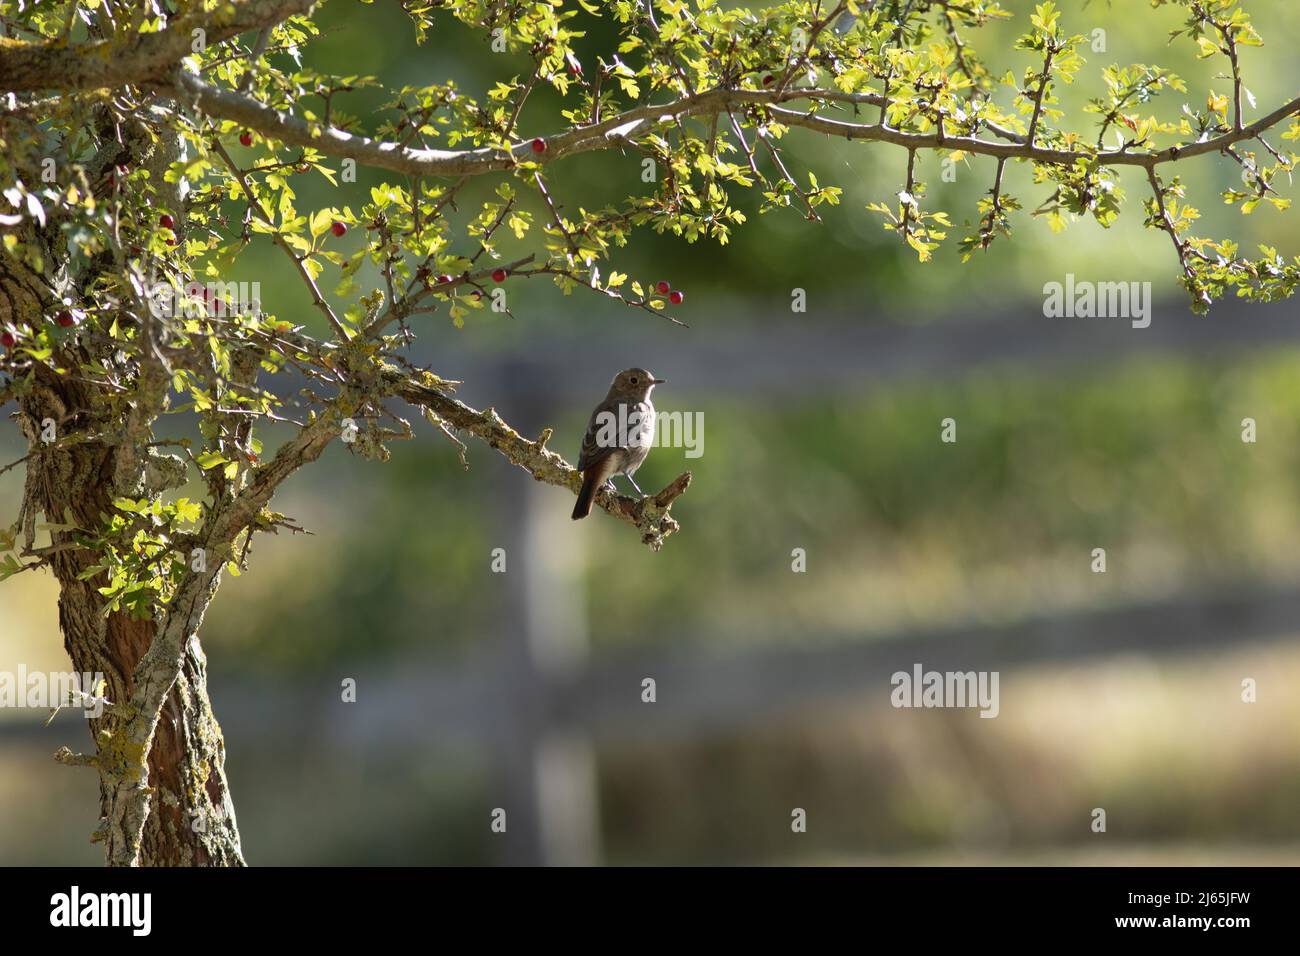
167 222
64 318
675 296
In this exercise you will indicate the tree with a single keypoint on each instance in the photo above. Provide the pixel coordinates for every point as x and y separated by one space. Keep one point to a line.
128 200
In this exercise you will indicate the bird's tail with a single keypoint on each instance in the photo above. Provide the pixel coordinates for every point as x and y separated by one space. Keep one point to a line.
591 481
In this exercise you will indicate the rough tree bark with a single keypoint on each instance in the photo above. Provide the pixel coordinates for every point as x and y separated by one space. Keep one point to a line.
191 817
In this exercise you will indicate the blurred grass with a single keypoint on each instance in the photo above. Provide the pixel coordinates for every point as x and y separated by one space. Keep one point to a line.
1184 769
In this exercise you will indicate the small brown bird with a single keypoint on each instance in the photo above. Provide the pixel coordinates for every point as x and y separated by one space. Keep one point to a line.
619 436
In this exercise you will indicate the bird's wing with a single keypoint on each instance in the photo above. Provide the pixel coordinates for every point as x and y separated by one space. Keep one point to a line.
593 452
639 419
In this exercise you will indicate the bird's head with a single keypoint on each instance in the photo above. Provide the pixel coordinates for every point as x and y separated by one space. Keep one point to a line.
633 384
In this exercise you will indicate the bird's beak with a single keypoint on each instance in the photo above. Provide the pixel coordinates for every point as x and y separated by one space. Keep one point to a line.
657 381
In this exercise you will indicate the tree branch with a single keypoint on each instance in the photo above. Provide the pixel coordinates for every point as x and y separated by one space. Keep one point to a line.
624 126
100 64
649 515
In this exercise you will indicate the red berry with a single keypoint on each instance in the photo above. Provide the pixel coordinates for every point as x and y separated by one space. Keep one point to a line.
676 297
66 320
444 280
166 221
663 287
339 228
499 275
172 241
768 79
8 340
539 145
246 138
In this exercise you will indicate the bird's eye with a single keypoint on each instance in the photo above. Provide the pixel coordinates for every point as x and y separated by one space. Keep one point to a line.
633 379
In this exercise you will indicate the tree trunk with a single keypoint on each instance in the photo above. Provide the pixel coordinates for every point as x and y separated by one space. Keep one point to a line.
190 819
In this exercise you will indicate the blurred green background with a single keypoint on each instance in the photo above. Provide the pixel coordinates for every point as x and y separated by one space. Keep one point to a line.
521 690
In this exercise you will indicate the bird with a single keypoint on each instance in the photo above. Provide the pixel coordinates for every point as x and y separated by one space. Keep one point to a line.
619 436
